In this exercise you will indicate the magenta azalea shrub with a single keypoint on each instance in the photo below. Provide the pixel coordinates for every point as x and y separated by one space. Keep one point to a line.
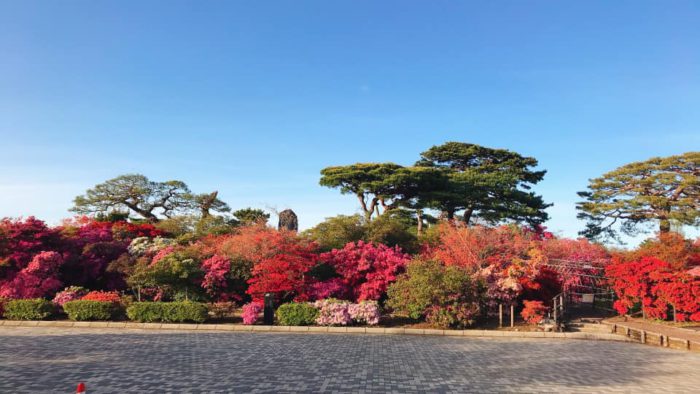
71 293
251 312
366 312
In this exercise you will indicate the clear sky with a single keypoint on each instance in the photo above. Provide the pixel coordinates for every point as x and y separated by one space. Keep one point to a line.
253 99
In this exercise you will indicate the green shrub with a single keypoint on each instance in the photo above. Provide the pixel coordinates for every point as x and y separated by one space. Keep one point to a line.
444 296
296 314
167 312
89 310
33 309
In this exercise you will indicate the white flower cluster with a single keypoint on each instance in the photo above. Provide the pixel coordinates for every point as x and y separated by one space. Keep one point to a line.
144 245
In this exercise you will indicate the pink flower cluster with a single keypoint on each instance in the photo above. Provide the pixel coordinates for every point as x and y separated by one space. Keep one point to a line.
366 312
216 268
69 294
37 279
334 312
251 312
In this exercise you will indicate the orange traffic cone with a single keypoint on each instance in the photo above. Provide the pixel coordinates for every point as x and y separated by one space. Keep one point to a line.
81 388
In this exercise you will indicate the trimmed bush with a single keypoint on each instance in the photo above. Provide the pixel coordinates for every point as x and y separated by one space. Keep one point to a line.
296 314
31 309
167 312
89 310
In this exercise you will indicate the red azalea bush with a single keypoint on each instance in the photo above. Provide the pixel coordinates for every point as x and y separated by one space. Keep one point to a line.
281 275
533 311
654 286
103 296
365 269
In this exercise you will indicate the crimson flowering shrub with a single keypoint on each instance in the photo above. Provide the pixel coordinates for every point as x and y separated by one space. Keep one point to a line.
366 270
261 260
38 279
103 296
533 311
330 288
251 312
654 285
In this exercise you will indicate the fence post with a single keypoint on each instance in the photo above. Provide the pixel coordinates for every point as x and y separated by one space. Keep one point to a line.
674 313
512 315
500 315
643 336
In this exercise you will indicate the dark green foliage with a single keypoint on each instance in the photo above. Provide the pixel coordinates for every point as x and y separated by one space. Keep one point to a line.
248 216
661 190
167 312
32 309
81 310
296 314
490 184
135 193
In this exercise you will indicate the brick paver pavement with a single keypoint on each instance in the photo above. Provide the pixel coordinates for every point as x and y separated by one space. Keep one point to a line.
43 360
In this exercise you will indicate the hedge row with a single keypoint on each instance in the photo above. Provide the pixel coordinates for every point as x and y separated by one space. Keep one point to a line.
167 312
85 310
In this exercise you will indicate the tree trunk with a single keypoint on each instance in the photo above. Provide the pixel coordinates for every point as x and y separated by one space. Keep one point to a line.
468 215
419 216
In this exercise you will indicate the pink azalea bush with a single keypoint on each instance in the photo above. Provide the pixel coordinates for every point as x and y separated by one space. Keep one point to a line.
366 312
38 279
71 293
333 312
216 268
251 312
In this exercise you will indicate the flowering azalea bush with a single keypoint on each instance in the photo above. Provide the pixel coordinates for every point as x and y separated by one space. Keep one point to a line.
365 312
38 279
365 269
251 312
654 286
333 312
103 296
71 293
533 311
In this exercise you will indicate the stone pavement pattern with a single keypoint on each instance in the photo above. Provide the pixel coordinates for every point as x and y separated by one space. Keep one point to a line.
43 360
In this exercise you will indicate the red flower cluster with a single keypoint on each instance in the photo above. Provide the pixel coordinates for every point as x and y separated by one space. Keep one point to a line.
104 296
365 269
656 287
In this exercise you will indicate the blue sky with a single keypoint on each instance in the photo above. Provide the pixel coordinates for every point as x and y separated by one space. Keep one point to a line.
253 99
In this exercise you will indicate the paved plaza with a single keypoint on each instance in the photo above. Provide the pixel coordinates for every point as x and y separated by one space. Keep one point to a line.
53 360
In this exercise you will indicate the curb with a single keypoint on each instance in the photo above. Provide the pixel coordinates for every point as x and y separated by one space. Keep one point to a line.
319 329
